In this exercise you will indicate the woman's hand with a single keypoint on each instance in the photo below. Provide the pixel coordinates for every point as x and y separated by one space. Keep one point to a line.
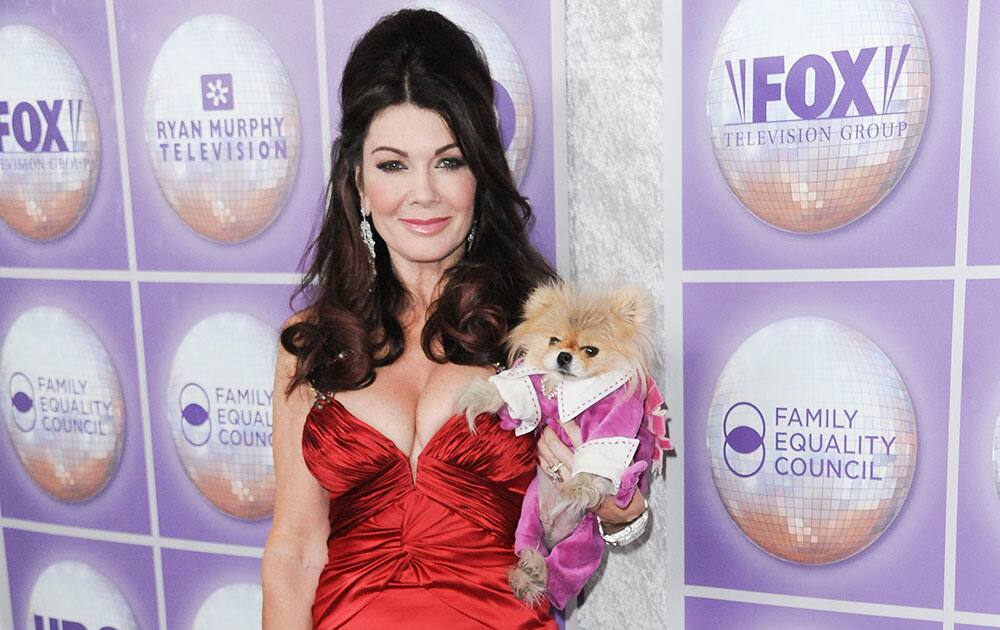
552 451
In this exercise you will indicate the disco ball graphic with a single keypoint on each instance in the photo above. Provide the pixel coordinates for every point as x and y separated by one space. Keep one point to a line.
816 108
219 410
50 143
62 403
812 440
232 607
512 94
72 591
222 127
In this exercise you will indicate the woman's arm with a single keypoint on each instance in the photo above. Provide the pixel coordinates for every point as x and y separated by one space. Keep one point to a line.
296 546
551 449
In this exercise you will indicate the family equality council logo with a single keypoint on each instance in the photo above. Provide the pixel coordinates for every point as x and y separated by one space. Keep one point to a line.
816 108
63 408
219 409
812 440
50 144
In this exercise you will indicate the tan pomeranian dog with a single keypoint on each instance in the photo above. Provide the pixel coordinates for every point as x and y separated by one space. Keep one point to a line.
570 333
567 336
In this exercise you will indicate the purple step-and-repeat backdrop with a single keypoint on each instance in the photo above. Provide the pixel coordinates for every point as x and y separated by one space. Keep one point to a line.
822 149
161 171
159 180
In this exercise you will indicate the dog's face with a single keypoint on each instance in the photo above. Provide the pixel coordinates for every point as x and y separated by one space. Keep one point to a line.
580 334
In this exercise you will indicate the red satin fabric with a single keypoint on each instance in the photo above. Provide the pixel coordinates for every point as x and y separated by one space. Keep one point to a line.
433 553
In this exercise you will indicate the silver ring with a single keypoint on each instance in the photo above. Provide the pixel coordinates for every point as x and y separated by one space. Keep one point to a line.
553 472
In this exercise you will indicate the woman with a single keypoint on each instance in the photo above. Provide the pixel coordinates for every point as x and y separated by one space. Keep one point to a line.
389 511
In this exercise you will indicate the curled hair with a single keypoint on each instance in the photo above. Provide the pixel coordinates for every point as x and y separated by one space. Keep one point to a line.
351 326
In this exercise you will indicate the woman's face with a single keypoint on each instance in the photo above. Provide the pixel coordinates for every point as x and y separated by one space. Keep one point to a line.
416 186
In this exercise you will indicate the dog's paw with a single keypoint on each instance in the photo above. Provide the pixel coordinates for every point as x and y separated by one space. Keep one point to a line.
478 397
528 577
585 490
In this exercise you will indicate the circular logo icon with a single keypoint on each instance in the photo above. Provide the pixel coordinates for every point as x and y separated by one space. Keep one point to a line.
812 440
50 143
219 410
743 448
511 92
232 607
64 414
222 127
816 110
75 595
23 411
196 407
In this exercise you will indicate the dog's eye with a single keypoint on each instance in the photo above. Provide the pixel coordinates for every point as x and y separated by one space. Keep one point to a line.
590 351
553 341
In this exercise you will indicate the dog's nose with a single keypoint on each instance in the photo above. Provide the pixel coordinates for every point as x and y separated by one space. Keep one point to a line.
564 359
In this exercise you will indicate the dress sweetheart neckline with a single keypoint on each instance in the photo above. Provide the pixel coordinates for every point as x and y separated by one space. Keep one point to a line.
385 439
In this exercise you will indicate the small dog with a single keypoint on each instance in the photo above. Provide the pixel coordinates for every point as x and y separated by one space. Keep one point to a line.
581 356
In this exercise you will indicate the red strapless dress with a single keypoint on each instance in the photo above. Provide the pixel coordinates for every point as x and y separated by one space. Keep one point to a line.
429 553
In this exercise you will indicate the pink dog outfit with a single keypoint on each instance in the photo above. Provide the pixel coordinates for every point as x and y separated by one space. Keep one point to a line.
622 431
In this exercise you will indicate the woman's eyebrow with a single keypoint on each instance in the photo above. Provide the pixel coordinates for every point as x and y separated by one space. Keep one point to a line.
392 149
453 145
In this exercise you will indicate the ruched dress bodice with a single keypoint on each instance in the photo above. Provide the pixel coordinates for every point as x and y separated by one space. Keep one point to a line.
429 550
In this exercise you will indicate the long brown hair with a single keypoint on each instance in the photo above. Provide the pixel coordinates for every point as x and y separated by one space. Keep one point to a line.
351 325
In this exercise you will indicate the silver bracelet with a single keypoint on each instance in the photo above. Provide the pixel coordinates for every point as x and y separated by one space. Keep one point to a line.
631 532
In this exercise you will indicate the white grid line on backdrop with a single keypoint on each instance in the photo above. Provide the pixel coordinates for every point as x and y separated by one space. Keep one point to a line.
958 314
672 49
140 344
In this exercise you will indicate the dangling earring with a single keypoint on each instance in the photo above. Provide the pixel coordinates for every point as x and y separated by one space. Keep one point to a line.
366 236
471 238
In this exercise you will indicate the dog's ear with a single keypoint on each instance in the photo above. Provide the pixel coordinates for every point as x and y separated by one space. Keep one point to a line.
632 304
541 299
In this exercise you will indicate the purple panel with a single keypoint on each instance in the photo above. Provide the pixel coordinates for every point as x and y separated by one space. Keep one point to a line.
163 241
717 319
978 561
123 504
190 577
98 240
528 26
984 198
169 311
918 216
128 567
710 614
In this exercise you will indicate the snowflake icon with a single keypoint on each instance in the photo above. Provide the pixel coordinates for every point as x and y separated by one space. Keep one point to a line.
216 91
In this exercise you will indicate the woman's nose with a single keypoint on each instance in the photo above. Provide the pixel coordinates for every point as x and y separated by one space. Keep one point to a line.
424 189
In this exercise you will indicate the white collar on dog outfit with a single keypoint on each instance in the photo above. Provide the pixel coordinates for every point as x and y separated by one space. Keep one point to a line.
573 396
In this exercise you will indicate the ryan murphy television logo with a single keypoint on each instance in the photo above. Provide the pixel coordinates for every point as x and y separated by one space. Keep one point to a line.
49 137
219 409
222 127
812 440
813 118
